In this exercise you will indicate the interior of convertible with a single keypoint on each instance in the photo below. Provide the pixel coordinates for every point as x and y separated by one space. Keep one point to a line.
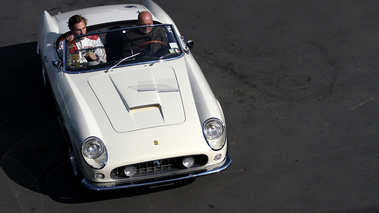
121 44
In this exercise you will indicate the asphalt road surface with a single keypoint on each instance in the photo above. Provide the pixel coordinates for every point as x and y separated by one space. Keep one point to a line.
298 82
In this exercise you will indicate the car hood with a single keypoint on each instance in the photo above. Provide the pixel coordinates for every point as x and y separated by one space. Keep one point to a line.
135 99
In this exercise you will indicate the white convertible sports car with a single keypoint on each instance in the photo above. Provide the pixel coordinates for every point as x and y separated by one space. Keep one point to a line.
139 114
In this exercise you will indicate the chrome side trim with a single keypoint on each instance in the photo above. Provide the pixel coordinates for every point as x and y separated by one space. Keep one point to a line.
97 186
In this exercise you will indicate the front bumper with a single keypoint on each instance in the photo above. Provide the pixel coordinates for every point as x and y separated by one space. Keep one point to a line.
121 185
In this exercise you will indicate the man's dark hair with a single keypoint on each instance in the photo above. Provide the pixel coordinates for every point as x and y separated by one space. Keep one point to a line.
76 19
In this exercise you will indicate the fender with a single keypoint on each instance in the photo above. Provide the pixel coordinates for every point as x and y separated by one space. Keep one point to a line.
48 31
206 103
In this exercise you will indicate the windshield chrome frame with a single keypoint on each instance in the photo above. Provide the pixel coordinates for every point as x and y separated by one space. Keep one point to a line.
182 50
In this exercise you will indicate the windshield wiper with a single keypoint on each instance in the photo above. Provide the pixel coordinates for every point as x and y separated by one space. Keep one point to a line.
122 60
162 57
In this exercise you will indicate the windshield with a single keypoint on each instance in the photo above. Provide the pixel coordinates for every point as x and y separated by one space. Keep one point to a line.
109 49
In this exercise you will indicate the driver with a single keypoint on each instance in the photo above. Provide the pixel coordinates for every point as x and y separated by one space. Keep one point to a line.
84 49
139 36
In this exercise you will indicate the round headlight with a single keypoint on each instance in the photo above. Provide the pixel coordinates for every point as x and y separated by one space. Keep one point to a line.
94 152
93 148
130 171
213 128
188 162
215 133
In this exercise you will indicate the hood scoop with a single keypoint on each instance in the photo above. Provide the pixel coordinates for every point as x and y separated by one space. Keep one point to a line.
136 99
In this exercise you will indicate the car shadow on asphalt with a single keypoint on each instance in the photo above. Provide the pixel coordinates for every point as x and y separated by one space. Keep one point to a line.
32 149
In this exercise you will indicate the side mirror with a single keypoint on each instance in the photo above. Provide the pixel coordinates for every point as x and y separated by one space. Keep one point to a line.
189 44
57 64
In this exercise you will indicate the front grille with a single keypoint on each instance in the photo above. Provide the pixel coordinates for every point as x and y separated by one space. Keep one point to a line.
159 167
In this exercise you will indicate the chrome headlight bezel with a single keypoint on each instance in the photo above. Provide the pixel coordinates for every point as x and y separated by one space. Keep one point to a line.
214 132
94 152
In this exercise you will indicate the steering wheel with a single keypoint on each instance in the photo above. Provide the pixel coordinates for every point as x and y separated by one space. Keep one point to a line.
151 42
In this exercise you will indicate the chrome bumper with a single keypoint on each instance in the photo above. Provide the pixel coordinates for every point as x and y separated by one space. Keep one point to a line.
113 186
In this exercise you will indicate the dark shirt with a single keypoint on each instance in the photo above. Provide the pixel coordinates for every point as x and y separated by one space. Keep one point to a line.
135 38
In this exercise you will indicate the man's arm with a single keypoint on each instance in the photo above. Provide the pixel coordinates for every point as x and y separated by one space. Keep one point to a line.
99 54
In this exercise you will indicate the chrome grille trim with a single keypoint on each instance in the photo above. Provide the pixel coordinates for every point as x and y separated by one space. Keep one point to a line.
159 167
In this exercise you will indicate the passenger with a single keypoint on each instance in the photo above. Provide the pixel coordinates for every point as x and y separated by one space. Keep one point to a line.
83 49
139 39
